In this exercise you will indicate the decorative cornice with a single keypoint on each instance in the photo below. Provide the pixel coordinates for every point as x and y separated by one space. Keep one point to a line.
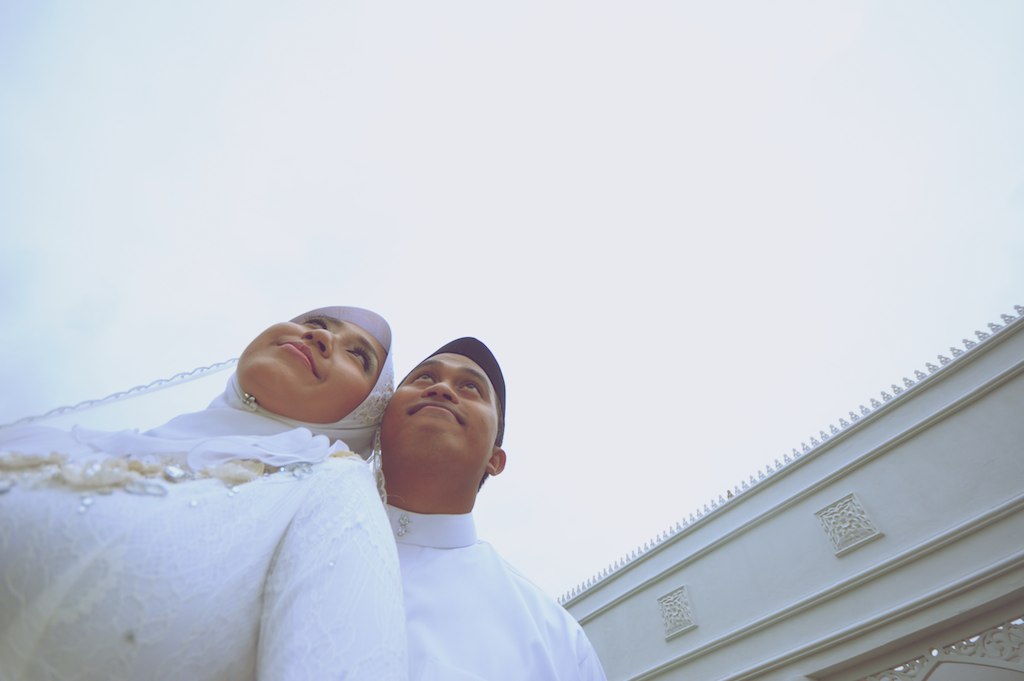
895 394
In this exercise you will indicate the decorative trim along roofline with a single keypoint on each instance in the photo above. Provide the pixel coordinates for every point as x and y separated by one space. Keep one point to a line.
952 535
898 393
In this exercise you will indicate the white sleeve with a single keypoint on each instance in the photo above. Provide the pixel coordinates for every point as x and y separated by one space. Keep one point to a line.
590 668
333 599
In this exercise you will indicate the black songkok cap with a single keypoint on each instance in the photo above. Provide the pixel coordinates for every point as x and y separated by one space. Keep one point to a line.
481 354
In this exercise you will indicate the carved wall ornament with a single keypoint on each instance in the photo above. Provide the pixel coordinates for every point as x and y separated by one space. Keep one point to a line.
847 524
1004 642
1002 647
677 613
908 671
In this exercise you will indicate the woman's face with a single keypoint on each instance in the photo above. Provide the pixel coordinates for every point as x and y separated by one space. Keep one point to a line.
316 371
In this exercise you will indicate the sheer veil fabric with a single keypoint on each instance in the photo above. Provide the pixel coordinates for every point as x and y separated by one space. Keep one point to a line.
228 429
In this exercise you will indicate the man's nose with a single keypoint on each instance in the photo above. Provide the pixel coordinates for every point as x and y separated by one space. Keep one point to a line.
440 389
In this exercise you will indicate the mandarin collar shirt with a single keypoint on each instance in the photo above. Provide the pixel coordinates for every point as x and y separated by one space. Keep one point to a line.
472 617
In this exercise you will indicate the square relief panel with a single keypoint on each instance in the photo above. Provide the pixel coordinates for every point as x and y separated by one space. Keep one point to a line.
677 613
847 524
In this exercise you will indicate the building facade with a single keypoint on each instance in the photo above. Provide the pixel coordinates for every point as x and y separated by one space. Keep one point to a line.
890 548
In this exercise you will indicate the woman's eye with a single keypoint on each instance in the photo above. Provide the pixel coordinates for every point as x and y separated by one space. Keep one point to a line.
362 354
316 322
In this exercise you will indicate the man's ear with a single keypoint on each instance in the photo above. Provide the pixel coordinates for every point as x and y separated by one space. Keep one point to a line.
496 464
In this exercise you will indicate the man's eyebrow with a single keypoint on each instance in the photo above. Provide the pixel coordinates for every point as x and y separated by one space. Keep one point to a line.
475 373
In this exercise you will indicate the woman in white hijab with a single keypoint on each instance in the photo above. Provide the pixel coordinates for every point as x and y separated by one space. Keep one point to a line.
243 541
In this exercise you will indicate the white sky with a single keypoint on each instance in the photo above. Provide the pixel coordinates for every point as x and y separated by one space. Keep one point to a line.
694 233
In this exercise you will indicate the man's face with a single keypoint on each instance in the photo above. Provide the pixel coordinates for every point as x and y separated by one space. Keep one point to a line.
315 371
446 408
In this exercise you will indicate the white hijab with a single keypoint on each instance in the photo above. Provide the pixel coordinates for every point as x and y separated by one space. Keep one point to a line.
230 429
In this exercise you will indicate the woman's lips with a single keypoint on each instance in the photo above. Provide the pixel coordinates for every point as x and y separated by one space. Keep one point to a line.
302 352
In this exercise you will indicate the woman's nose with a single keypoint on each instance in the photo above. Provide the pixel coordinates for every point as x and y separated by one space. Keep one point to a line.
322 339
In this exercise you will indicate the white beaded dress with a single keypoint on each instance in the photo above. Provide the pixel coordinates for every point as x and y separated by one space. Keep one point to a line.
290 576
228 544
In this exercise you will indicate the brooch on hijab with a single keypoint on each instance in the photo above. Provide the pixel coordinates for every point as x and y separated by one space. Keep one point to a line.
249 401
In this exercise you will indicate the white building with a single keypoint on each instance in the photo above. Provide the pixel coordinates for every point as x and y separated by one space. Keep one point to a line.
890 548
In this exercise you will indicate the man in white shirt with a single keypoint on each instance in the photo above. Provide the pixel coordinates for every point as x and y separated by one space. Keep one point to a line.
469 615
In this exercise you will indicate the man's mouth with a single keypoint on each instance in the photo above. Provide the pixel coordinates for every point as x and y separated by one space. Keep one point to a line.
302 351
435 407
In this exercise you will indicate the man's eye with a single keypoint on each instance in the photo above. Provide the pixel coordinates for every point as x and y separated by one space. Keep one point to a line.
471 385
